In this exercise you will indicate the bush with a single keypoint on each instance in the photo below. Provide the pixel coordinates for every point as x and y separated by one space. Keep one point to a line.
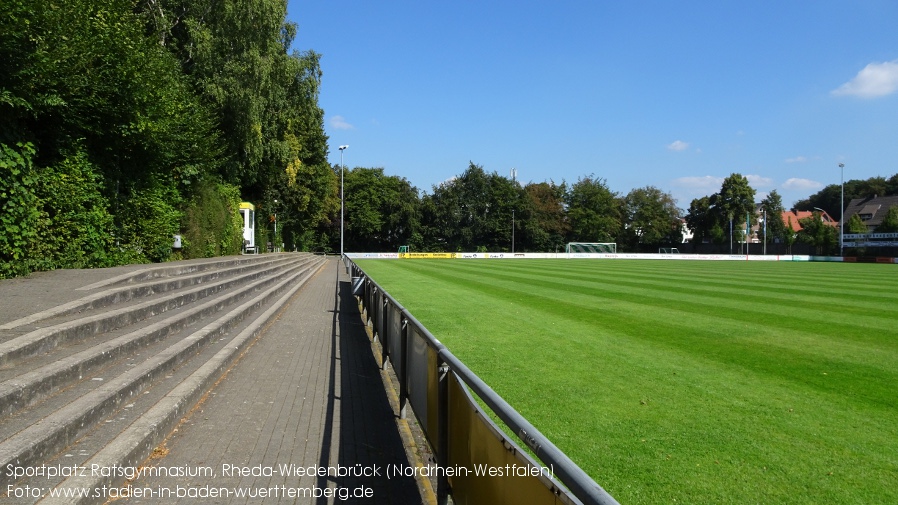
149 219
18 209
212 225
75 228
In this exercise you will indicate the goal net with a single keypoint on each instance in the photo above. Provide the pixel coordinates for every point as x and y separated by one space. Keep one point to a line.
591 247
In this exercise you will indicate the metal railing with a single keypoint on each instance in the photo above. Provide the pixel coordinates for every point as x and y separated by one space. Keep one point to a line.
465 441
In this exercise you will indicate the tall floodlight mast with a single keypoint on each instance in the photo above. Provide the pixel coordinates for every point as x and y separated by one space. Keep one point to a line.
842 212
342 203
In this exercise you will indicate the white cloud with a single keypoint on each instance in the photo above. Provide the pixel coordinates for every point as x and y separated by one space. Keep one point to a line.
340 123
797 184
678 145
706 182
797 159
756 181
876 79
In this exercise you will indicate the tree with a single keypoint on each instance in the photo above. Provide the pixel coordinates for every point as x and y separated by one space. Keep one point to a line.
109 112
892 185
701 219
735 201
473 212
790 235
856 225
545 226
593 210
382 212
772 205
889 223
236 55
830 197
652 218
816 232
736 198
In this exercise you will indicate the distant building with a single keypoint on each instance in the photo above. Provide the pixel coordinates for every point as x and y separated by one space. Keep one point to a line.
687 231
794 216
871 210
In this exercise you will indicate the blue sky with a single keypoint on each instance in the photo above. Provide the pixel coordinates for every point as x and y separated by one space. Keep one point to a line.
676 95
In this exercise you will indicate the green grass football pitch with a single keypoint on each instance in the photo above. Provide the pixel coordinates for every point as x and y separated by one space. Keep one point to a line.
682 381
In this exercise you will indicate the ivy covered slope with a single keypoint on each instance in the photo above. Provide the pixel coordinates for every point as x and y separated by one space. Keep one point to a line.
123 123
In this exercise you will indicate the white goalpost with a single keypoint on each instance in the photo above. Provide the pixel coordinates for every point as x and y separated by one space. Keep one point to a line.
591 247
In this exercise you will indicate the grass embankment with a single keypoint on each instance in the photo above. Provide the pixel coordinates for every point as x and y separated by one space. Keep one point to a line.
684 382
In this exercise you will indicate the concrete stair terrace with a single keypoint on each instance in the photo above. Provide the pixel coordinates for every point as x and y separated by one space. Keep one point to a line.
102 378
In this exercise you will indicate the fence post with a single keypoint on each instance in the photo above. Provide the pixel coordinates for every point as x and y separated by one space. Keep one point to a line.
385 333
442 452
403 360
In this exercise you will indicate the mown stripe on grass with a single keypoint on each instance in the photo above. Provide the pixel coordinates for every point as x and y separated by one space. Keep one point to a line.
657 411
701 329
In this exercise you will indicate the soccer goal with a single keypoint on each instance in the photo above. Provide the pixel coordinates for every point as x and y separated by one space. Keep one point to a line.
591 247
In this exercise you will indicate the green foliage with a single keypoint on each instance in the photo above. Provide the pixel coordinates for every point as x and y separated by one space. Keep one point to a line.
736 199
856 225
471 211
150 217
830 197
594 212
18 209
652 218
236 54
212 224
55 217
309 218
710 216
889 223
545 225
701 220
132 109
822 236
381 211
75 229
773 206
790 236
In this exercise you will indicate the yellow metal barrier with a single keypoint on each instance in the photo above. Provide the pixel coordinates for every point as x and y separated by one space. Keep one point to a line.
496 470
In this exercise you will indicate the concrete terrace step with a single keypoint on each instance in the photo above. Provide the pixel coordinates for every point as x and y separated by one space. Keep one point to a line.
54 370
150 375
41 339
170 281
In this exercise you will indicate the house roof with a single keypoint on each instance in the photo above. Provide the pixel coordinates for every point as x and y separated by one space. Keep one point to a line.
874 207
797 215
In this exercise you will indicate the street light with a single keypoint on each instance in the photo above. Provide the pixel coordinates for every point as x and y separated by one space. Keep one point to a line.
842 211
512 230
342 169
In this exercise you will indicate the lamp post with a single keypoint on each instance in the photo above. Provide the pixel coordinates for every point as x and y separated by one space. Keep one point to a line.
512 231
842 211
765 231
274 240
342 169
